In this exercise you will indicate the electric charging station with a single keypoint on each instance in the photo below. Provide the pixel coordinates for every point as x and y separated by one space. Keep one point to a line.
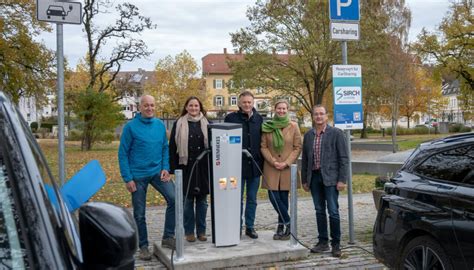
226 159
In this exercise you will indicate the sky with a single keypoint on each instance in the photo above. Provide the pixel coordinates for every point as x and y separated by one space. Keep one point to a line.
203 26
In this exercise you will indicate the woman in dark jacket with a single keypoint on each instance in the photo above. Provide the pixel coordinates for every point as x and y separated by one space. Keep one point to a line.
187 141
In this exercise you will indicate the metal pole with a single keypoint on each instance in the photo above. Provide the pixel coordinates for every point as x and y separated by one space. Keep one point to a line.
60 89
179 215
293 205
349 181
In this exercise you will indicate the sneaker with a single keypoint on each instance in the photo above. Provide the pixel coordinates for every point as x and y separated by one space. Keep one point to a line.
251 233
320 247
202 237
190 238
168 243
144 254
336 250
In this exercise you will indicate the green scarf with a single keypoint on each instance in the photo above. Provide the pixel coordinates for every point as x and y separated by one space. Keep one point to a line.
274 126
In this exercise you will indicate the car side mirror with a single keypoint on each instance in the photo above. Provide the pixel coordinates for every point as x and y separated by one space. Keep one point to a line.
108 236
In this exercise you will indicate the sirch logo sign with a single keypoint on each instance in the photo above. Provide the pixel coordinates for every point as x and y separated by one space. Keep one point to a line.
348 95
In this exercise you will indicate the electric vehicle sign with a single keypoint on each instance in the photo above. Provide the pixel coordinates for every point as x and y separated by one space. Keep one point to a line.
347 86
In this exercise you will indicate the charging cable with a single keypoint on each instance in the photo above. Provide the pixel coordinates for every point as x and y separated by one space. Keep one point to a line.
249 155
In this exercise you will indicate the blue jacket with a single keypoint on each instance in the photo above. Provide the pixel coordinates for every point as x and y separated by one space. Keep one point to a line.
251 138
334 157
143 150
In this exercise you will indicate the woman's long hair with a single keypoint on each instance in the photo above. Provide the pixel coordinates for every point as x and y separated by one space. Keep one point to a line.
201 108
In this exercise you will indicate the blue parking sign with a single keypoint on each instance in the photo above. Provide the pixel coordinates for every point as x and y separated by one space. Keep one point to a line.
344 10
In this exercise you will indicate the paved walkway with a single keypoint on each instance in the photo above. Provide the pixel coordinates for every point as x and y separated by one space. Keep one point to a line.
353 256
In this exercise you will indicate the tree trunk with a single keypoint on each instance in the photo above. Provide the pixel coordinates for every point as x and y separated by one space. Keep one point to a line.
87 140
408 119
394 135
363 133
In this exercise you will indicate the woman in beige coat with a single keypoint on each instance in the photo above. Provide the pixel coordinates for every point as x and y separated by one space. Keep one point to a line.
281 146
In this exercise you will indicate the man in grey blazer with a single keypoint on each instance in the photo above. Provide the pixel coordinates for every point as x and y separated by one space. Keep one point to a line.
324 172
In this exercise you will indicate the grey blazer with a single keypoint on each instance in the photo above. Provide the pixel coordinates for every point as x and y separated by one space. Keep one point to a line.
334 157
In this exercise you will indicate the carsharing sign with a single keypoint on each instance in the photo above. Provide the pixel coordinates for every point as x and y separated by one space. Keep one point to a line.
347 87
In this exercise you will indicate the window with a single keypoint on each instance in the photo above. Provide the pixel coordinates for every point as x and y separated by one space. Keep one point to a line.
455 165
233 101
261 105
12 246
218 84
219 101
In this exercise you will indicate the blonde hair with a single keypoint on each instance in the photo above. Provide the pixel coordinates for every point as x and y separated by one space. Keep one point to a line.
282 101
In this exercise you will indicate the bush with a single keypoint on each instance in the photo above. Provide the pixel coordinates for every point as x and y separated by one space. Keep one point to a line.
458 127
419 129
34 126
380 181
74 135
47 126
466 129
44 132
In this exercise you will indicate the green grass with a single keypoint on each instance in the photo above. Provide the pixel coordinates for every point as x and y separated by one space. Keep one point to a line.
114 190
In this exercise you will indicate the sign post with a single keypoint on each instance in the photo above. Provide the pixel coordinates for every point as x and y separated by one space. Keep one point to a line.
347 83
59 12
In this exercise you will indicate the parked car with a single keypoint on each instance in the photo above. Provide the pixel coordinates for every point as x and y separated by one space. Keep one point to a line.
37 231
425 219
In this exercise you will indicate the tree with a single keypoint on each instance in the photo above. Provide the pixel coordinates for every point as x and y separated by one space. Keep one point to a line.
26 66
424 97
103 70
452 46
299 26
177 81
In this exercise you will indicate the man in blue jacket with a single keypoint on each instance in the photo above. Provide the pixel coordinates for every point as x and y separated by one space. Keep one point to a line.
324 172
251 122
144 159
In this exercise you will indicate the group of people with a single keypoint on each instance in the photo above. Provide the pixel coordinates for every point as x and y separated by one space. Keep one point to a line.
146 157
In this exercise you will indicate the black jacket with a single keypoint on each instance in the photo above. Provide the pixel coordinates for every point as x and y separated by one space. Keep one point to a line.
251 138
200 181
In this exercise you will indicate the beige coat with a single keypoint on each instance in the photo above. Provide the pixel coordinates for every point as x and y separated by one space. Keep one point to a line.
275 178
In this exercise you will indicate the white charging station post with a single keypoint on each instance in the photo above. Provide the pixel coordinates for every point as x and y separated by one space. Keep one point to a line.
226 160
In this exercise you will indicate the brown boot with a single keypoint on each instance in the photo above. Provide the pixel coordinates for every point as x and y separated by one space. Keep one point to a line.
202 237
190 238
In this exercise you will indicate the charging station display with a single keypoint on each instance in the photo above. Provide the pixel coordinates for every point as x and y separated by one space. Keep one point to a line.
226 160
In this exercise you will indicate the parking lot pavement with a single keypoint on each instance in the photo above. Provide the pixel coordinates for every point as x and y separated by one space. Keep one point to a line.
354 257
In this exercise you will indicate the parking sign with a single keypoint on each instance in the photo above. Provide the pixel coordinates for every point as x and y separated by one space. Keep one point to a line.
344 10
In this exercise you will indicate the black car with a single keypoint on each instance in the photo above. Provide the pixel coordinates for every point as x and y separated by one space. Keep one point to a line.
37 231
425 218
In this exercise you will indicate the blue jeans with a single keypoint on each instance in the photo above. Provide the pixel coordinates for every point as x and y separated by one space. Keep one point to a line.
199 219
326 196
279 200
250 201
139 206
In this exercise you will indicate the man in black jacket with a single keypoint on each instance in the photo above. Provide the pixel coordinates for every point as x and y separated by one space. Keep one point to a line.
251 122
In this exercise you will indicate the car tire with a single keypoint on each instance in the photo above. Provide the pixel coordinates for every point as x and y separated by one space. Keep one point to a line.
413 254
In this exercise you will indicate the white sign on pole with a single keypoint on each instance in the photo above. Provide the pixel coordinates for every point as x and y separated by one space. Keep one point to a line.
58 11
345 31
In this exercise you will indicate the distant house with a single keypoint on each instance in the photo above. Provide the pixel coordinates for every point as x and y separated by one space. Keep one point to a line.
32 111
217 76
132 84
453 111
